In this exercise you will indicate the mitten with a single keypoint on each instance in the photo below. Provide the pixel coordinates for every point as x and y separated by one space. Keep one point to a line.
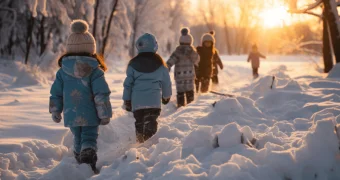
127 106
105 121
165 101
56 116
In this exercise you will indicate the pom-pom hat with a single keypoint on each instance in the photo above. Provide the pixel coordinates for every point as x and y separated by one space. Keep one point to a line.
207 37
186 37
80 40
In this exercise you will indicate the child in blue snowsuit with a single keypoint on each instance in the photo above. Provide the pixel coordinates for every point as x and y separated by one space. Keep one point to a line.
81 93
146 85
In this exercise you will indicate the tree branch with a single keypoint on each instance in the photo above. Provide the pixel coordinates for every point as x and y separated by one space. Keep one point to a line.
14 15
308 8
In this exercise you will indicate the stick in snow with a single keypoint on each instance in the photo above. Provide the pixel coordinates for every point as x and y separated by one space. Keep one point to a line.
271 87
222 94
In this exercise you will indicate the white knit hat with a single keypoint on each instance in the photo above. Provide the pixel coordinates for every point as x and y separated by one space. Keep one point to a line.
208 37
186 37
80 41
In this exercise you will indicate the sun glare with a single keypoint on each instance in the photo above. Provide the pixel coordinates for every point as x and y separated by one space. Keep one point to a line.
275 17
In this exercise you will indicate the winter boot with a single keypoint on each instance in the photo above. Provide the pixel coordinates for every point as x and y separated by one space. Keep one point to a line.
146 123
214 79
89 156
180 99
77 157
205 85
197 84
190 96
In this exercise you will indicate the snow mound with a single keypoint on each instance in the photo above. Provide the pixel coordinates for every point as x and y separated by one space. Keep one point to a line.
229 105
264 84
229 110
29 155
229 136
292 85
335 72
20 75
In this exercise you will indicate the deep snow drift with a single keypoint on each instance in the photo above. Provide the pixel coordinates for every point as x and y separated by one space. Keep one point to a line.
292 117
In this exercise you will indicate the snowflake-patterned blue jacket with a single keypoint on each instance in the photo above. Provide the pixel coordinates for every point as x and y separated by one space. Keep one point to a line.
80 91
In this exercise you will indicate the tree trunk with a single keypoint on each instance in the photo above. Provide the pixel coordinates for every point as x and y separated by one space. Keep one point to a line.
227 39
30 24
332 16
109 27
326 48
42 35
95 18
134 35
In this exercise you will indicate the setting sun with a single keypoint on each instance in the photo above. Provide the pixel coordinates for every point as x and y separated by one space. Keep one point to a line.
275 17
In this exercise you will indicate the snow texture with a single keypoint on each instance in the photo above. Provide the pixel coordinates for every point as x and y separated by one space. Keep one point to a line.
295 125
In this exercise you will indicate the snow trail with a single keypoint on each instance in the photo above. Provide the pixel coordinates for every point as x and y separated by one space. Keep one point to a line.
293 124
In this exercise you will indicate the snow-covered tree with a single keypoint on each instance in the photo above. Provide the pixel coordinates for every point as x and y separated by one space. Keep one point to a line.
149 16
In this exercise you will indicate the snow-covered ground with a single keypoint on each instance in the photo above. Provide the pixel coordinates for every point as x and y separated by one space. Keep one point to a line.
293 124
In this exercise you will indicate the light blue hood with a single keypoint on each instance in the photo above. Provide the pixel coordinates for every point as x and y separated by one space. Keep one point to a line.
79 66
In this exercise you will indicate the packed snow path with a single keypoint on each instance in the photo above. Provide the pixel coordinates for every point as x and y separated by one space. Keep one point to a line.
293 122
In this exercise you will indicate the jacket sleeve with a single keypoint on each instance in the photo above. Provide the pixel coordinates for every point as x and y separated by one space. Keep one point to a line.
166 85
262 56
101 93
218 59
172 60
56 98
249 56
195 58
128 84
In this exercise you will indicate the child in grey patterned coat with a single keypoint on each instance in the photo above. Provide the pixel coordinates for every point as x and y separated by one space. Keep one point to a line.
185 58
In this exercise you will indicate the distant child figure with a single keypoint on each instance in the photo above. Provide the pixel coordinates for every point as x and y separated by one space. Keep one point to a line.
80 91
204 71
146 85
217 63
254 57
185 58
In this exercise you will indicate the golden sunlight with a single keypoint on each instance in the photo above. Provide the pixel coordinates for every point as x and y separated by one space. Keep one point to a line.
275 17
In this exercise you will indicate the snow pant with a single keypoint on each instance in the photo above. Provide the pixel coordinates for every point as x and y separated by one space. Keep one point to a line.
84 137
255 72
202 84
189 95
214 79
146 123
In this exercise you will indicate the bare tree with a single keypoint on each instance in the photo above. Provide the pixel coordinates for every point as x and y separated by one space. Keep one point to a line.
106 37
331 28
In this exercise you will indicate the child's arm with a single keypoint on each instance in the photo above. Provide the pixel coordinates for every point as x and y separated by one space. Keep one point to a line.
56 98
172 60
101 92
166 86
262 56
218 59
195 58
249 57
128 85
